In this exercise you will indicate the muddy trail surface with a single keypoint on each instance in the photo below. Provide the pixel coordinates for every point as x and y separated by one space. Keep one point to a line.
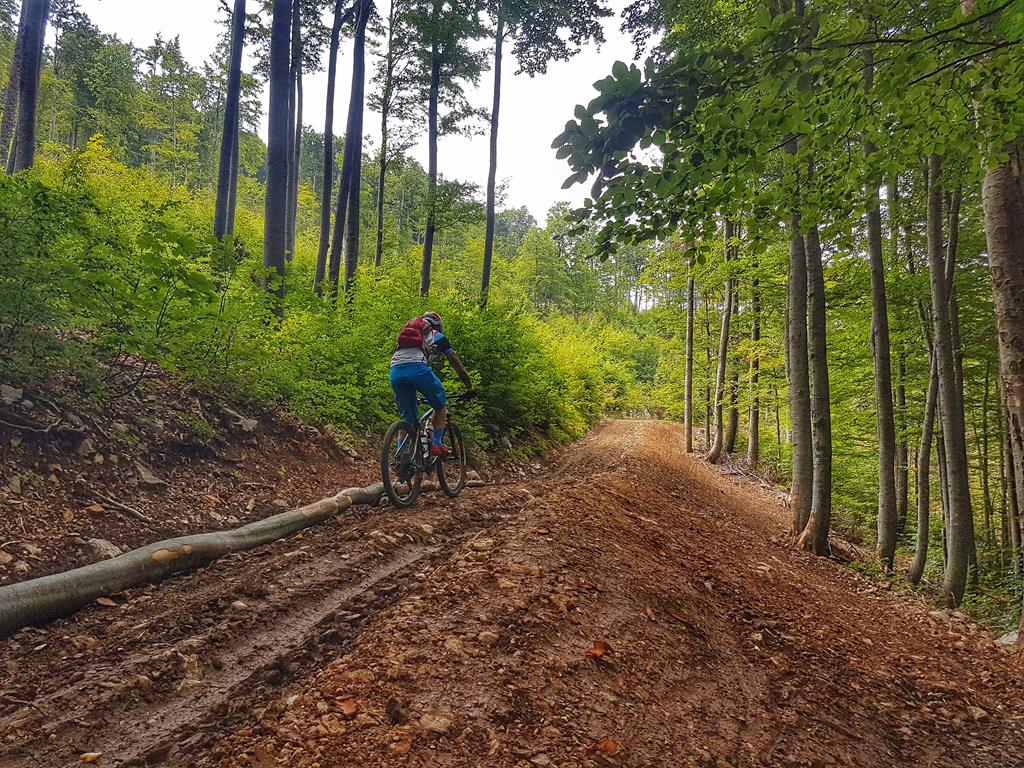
625 605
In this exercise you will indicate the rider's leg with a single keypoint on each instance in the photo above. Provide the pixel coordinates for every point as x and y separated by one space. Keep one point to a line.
433 391
405 395
440 419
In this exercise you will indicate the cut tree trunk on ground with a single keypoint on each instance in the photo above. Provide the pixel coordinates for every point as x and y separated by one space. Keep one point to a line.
40 600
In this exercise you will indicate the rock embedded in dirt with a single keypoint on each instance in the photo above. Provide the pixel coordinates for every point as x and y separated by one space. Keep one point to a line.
15 485
102 549
20 566
436 724
86 448
31 549
10 395
488 638
1010 638
5 558
146 477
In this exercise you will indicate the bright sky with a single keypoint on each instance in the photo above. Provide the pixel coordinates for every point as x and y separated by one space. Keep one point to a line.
533 111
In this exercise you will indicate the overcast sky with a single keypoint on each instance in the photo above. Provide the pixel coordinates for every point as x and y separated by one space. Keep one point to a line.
534 110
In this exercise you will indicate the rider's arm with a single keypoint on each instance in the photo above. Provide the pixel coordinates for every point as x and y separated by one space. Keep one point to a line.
459 367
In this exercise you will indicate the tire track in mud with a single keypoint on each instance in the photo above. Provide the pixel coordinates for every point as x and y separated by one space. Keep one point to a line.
191 658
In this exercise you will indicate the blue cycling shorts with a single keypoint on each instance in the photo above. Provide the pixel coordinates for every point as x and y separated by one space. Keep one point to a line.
410 378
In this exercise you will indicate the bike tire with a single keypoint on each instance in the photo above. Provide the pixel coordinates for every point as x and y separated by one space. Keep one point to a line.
452 470
399 497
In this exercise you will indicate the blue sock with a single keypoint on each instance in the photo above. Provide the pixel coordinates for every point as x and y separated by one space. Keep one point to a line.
438 435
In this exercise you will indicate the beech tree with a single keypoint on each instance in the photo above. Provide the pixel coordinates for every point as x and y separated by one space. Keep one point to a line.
23 153
223 222
276 213
536 28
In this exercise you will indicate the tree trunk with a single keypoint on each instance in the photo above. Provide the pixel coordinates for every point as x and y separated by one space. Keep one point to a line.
718 447
276 206
233 190
328 180
432 131
388 88
688 383
732 426
815 536
492 169
229 136
986 491
707 370
1003 200
754 421
799 382
885 423
1012 506
355 140
28 90
924 461
295 136
10 115
902 451
961 521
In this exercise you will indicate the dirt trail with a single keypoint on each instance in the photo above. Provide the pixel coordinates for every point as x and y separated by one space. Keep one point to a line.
624 606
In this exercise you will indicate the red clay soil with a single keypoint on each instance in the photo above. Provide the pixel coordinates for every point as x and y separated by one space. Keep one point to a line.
626 606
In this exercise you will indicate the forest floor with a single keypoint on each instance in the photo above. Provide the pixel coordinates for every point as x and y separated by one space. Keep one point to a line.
622 605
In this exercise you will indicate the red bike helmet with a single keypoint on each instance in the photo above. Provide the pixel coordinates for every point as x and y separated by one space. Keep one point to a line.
434 319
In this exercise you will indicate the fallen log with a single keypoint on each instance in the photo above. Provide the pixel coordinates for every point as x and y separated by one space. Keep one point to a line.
50 597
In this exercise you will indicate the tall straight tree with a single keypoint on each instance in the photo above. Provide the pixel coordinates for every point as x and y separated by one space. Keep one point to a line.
329 159
688 383
535 26
885 422
230 135
355 139
276 202
718 446
24 152
294 128
347 186
815 536
754 421
447 64
799 381
7 123
961 519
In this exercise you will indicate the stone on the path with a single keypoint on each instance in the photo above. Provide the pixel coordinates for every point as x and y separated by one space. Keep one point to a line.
1010 638
86 448
147 477
102 548
436 724
488 638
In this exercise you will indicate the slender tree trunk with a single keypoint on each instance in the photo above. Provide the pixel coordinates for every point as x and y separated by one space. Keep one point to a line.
355 139
28 89
924 460
961 520
349 159
1012 506
295 136
815 535
885 422
688 383
902 451
799 382
754 421
718 447
432 135
10 115
328 180
492 169
707 371
229 136
233 190
276 214
986 491
388 91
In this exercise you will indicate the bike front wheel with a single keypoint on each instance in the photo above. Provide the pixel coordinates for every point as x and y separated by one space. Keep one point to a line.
451 470
399 469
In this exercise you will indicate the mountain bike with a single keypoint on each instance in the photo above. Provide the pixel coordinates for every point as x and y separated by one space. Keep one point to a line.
406 458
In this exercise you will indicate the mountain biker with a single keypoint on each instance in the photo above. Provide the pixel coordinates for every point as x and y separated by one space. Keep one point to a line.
420 342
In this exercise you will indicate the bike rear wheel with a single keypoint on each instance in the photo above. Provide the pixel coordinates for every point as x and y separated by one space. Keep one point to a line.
451 470
399 469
